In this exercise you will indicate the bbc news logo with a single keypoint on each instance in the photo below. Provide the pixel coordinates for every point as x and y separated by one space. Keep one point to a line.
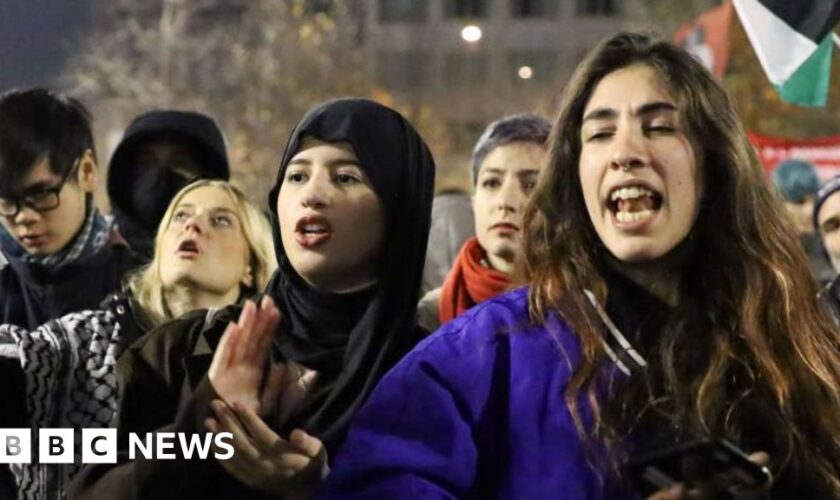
99 446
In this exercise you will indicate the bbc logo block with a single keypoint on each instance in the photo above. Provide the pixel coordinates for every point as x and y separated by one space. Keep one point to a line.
99 446
55 446
15 446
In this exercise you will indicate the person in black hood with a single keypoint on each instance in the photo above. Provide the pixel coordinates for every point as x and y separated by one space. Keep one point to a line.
351 212
160 153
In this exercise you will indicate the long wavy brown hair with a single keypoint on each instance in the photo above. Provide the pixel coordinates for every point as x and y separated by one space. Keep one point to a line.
748 353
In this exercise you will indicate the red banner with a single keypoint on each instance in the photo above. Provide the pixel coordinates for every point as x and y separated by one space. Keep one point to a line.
707 38
823 152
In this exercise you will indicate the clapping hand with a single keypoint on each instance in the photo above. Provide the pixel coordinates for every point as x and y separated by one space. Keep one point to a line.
236 371
262 459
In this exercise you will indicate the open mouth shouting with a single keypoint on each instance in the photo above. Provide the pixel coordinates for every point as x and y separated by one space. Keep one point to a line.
312 231
189 249
633 205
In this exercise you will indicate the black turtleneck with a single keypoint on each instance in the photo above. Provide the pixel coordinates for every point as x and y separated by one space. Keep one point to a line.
636 312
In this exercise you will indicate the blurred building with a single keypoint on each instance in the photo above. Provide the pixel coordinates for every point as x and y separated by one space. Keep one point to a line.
452 66
479 59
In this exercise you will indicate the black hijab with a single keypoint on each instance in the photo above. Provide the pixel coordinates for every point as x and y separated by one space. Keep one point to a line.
353 339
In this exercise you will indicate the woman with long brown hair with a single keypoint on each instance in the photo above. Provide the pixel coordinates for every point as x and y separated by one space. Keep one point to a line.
668 300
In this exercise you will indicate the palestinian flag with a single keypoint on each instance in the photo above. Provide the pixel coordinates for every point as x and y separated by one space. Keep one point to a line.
707 38
793 40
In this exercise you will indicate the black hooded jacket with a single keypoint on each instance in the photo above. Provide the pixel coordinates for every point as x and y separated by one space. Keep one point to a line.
140 194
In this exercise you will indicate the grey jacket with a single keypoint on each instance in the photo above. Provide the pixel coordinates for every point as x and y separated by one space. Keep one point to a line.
452 224
427 310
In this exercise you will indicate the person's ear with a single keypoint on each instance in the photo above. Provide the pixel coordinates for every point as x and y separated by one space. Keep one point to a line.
248 277
86 174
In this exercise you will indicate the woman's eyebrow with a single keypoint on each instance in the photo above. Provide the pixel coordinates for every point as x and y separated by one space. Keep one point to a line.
330 163
226 210
340 162
649 108
528 172
601 114
655 107
493 170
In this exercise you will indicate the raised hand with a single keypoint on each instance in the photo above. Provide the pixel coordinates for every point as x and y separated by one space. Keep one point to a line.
265 461
238 363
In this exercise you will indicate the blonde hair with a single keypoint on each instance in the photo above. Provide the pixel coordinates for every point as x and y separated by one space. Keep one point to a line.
146 285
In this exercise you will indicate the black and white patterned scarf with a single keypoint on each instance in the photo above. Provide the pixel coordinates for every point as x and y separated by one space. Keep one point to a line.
69 366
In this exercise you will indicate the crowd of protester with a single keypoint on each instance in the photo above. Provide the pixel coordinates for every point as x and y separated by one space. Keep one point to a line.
621 280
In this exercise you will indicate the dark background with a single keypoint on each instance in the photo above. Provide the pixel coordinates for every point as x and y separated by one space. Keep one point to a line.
35 38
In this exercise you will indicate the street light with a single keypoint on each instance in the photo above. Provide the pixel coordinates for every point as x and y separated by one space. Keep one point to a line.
471 33
525 72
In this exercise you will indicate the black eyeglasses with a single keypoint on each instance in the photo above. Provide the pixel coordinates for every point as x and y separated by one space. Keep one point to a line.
42 200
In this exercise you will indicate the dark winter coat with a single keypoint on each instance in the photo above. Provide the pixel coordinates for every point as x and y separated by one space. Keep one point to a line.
31 295
165 374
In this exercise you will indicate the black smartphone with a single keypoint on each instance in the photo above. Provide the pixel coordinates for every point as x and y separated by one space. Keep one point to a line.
714 463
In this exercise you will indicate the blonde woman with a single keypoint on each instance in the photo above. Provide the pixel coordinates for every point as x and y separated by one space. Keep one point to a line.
184 275
213 248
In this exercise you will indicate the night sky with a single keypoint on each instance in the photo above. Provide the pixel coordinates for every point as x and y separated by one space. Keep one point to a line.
35 38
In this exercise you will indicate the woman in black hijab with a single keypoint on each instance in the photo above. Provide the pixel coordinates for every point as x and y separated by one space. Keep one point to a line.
347 320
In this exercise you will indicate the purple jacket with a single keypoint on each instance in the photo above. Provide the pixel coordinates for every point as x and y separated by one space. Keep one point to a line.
475 411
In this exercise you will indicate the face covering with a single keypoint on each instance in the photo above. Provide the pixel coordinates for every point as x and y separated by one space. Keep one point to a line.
153 190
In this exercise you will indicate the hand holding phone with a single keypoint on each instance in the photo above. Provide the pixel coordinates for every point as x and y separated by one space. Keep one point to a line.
711 465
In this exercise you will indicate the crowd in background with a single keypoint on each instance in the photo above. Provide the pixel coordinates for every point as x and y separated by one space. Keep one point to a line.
633 241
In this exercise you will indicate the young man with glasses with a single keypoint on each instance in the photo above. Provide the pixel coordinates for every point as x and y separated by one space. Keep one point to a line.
63 255
60 253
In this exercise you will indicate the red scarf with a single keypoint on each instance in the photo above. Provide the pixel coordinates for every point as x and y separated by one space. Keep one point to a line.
469 282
